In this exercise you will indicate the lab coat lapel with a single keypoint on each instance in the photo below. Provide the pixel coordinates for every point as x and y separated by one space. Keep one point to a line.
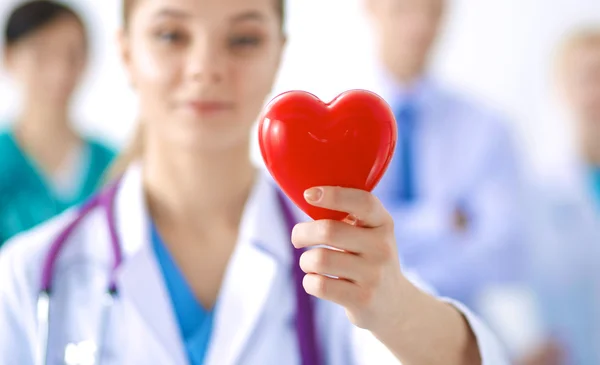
139 277
260 252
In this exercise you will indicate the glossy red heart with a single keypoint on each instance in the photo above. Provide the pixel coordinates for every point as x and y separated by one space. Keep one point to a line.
305 143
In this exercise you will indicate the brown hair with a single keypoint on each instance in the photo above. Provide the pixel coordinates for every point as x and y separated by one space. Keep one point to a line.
32 16
128 6
135 147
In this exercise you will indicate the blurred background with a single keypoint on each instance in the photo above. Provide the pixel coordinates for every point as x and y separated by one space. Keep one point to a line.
503 55
499 50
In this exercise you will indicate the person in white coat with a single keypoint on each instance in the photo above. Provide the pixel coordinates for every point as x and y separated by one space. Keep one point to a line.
453 186
565 245
191 256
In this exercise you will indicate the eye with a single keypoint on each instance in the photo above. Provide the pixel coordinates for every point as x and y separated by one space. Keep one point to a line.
170 36
244 41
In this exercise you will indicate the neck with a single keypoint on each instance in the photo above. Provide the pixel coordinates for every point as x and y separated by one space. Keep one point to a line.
42 125
195 188
407 76
406 72
591 154
46 136
589 141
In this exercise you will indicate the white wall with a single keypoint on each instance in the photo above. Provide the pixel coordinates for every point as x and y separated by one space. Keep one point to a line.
498 50
503 50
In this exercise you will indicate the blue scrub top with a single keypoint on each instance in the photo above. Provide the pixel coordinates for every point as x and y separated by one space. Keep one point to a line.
27 198
595 184
195 322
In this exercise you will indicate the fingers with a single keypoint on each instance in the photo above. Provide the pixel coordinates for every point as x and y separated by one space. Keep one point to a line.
358 268
372 243
329 232
342 292
341 265
361 204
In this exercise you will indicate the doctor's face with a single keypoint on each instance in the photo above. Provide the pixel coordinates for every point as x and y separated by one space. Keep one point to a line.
48 64
406 31
581 76
202 68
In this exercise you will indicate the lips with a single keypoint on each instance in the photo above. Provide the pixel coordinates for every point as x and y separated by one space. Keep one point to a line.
208 107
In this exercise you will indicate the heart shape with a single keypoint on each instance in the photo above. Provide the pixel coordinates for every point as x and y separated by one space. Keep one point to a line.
305 143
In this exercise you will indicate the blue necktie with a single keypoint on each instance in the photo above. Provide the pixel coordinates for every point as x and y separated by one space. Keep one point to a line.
406 119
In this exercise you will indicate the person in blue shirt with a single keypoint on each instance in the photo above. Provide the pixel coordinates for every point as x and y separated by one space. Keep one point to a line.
566 245
45 165
454 183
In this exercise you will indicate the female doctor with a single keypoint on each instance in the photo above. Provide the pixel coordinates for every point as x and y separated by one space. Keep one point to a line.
186 258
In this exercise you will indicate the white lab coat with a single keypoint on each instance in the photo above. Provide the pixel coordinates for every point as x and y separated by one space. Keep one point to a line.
565 270
253 319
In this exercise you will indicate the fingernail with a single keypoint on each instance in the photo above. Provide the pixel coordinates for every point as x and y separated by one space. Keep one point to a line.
313 195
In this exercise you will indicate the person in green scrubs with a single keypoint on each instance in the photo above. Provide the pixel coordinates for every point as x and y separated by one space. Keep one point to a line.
45 165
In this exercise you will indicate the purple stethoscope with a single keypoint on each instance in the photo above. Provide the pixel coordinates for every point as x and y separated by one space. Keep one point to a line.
304 321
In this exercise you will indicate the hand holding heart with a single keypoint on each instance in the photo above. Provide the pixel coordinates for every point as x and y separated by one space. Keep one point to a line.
369 281
327 158
309 147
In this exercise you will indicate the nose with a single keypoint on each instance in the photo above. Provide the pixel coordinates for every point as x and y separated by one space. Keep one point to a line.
206 63
422 25
62 69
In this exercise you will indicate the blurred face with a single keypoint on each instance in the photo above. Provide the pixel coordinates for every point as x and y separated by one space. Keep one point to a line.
581 77
48 64
202 68
406 31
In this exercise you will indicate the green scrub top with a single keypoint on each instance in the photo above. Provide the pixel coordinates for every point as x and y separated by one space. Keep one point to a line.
27 198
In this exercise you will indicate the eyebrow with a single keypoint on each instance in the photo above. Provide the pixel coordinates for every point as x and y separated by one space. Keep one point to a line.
175 13
171 13
248 15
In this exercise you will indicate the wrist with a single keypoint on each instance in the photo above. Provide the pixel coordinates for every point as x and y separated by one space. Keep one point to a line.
421 323
403 312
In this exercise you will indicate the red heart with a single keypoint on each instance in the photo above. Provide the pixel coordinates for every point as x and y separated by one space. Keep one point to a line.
305 143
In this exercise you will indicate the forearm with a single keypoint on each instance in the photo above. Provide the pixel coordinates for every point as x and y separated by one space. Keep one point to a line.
430 332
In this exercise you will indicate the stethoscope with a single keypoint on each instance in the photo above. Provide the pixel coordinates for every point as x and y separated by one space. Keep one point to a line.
304 321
